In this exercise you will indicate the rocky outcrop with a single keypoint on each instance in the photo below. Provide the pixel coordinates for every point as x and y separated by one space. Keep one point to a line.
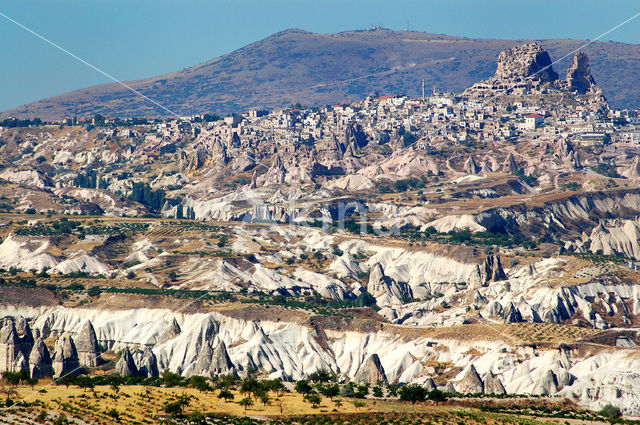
65 358
40 363
353 135
547 384
126 366
213 362
492 270
219 156
511 314
633 171
564 148
471 383
565 379
510 165
430 385
579 76
87 345
449 388
615 237
276 174
12 358
195 161
171 331
471 167
525 61
385 289
371 371
149 364
492 384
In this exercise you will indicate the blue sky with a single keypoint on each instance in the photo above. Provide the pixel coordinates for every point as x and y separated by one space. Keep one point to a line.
131 39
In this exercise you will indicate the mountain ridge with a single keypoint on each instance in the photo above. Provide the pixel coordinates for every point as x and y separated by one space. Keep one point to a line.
298 66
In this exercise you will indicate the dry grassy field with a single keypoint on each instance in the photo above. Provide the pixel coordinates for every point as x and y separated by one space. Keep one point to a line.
136 405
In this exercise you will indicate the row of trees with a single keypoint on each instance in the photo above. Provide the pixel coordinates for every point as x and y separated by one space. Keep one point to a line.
89 180
142 193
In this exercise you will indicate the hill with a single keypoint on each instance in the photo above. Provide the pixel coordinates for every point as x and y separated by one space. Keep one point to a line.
296 66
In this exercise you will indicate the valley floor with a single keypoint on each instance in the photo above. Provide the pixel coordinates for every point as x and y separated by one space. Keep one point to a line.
138 404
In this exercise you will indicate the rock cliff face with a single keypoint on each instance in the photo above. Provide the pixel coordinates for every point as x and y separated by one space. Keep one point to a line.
579 76
525 61
293 350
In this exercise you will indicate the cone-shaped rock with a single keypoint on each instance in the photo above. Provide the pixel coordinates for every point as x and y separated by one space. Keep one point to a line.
171 331
382 287
212 362
9 347
512 314
149 364
126 366
65 358
471 167
547 384
492 269
492 384
87 345
470 382
449 388
430 385
371 371
40 361
276 174
510 165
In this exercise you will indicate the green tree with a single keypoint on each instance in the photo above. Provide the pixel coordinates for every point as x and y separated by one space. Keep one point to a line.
437 396
377 391
170 379
246 402
610 412
114 414
303 387
226 395
94 291
412 393
365 299
313 398
329 391
358 404
200 383
264 398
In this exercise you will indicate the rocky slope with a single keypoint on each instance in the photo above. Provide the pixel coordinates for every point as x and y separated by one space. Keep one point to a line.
291 350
